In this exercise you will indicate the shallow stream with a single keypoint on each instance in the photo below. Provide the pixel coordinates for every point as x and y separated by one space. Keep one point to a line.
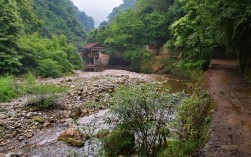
44 143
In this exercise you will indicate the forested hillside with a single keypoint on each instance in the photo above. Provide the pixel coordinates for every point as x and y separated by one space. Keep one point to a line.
194 30
62 17
127 4
41 36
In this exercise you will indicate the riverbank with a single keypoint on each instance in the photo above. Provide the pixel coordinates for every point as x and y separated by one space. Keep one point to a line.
22 133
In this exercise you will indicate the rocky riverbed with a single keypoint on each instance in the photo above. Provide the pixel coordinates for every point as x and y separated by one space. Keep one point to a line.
34 133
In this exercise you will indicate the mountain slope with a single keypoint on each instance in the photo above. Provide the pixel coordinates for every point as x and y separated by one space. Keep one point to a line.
62 17
127 4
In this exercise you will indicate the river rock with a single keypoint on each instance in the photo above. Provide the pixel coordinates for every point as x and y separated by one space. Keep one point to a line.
2 155
21 138
46 124
73 137
39 119
14 155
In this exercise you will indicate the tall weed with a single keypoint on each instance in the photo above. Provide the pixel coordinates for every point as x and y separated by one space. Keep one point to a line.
8 90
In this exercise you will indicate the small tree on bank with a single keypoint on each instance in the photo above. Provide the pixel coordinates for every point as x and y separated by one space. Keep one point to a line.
146 111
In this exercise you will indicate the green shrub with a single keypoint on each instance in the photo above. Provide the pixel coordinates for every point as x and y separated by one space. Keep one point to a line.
102 133
192 116
8 90
50 68
52 57
145 110
31 87
74 57
118 142
44 102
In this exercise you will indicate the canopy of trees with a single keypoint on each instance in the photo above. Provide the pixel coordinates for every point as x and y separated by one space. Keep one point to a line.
62 17
194 28
127 4
34 36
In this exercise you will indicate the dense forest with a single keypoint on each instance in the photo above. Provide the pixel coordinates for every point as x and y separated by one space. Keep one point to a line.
193 29
41 35
127 4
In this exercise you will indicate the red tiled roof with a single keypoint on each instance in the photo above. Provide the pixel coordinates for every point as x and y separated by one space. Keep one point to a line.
89 45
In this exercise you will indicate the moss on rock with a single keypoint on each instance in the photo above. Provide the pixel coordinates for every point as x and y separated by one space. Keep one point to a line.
39 119
102 133
73 137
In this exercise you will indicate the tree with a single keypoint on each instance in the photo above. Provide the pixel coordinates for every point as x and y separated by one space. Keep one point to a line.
232 18
126 32
145 110
11 27
126 5
63 18
193 35
29 18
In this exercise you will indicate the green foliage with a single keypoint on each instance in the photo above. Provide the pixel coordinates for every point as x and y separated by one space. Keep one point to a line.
74 57
86 21
30 20
145 110
133 29
193 122
51 58
30 86
193 119
11 28
118 142
43 102
127 4
50 68
20 51
8 90
45 98
136 55
102 133
162 65
189 122
62 17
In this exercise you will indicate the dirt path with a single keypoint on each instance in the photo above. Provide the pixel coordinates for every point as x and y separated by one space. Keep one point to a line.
231 127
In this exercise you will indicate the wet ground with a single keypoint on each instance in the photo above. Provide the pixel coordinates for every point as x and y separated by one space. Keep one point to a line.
40 140
231 127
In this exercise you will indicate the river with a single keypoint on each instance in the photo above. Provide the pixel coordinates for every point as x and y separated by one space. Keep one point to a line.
84 86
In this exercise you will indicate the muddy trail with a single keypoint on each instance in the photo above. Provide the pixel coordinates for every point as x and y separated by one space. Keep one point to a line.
231 126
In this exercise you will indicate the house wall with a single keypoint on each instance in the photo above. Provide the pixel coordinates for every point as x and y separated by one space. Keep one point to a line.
104 58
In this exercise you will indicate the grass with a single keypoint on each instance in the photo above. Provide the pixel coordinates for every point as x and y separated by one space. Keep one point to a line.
9 90
43 103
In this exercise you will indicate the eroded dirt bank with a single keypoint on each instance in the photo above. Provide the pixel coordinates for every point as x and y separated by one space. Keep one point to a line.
231 127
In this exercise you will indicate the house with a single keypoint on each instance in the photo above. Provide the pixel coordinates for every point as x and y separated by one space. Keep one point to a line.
94 54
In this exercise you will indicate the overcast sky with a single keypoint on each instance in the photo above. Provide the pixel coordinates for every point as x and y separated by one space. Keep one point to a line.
98 9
